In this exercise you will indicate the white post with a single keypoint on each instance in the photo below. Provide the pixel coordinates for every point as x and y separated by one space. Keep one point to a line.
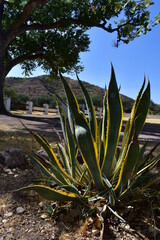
7 103
46 107
100 112
30 107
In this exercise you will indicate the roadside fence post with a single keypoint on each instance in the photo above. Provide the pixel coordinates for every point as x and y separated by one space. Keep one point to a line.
29 107
46 107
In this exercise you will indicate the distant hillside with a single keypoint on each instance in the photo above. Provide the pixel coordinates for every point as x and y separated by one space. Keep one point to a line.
35 87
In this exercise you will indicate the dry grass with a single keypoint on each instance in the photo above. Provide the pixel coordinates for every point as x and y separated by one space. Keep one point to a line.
150 118
20 140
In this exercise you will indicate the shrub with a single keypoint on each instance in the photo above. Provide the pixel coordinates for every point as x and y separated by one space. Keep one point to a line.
39 101
104 174
10 92
154 108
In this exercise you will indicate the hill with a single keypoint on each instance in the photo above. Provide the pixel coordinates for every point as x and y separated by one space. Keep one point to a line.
43 88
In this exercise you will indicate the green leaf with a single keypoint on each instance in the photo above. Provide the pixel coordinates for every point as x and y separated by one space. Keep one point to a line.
72 150
62 119
130 163
53 157
55 176
72 101
64 158
51 193
99 195
71 189
91 111
84 138
114 124
128 132
142 110
89 152
103 129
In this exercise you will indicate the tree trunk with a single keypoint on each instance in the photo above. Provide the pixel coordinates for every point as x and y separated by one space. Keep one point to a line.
2 107
2 80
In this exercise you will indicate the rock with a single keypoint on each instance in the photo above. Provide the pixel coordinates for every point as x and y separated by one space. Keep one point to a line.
4 221
8 214
13 157
19 210
7 170
44 216
41 204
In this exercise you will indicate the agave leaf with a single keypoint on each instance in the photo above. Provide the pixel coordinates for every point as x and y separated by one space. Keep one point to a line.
130 162
105 117
84 138
72 101
82 173
112 195
51 193
100 195
62 119
91 111
140 93
53 158
87 189
48 150
114 124
116 214
150 165
42 180
64 158
56 176
71 189
84 176
145 158
69 140
127 137
72 149
103 128
89 152
142 110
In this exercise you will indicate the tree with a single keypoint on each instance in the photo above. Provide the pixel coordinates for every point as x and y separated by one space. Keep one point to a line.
52 33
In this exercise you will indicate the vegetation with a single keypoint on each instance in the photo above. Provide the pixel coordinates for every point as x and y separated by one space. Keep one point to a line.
51 33
104 176
154 108
43 89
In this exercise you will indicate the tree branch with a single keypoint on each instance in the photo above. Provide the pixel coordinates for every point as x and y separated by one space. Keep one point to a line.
20 59
30 6
67 22
62 23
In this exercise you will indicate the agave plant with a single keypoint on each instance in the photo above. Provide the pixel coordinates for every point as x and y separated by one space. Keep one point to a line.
104 173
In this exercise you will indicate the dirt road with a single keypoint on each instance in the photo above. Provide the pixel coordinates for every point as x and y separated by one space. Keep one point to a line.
150 133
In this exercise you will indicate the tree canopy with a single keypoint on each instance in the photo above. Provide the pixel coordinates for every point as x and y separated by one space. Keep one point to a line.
52 33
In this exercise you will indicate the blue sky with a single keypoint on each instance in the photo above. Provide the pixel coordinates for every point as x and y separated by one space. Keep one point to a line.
131 62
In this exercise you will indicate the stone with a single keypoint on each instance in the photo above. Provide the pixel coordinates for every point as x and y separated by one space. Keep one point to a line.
4 221
44 216
19 210
41 204
8 214
13 157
